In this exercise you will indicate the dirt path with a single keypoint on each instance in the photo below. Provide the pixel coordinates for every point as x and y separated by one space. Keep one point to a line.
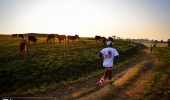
144 71
143 68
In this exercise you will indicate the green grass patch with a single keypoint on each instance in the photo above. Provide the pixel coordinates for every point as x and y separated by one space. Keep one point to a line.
49 65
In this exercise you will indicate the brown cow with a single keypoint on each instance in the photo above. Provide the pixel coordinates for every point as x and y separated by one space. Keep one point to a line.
51 36
32 38
61 37
97 38
23 48
111 39
21 35
14 35
103 40
73 38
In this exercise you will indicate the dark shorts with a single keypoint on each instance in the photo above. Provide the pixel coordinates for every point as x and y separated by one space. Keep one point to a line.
108 72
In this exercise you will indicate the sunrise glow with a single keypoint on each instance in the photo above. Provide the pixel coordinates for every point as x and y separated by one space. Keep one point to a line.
122 18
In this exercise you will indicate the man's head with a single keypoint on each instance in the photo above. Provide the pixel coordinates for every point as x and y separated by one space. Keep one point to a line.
109 44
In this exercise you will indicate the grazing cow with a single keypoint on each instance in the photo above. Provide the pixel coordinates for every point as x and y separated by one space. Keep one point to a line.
111 39
21 35
61 37
103 40
97 38
23 48
14 35
32 38
51 36
73 38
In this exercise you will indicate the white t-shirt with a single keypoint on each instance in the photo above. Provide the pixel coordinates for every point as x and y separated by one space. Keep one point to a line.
108 55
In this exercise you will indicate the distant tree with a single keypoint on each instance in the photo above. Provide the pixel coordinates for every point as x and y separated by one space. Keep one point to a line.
156 41
162 41
114 37
152 40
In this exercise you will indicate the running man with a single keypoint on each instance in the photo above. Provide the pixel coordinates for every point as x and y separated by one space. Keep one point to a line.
108 54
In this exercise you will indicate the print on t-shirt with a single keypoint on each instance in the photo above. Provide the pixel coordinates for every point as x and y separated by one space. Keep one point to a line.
110 53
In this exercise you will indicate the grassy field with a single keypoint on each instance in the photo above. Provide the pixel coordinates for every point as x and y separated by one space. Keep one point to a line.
49 65
159 87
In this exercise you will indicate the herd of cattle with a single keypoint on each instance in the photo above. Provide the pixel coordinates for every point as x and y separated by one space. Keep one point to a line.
49 37
61 37
19 35
24 44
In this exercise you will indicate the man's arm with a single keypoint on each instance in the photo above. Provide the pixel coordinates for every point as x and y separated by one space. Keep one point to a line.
116 57
116 54
100 54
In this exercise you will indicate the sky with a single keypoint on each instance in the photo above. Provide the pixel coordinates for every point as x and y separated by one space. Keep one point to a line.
133 19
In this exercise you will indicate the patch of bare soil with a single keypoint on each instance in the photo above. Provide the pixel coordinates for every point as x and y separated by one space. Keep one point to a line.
85 90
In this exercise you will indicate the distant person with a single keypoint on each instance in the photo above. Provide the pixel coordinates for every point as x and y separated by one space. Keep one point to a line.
108 54
151 48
